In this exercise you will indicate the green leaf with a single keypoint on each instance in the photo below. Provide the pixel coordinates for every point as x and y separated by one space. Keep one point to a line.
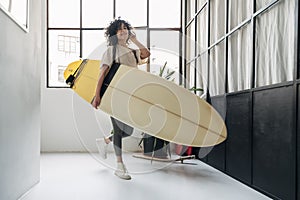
168 76
162 69
195 89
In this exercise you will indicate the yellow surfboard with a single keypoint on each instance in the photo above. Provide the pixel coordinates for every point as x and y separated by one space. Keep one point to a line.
84 79
152 104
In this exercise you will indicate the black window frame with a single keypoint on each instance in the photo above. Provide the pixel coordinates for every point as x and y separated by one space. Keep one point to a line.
81 29
229 32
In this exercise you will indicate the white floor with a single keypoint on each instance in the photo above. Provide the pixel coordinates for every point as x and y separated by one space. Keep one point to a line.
80 176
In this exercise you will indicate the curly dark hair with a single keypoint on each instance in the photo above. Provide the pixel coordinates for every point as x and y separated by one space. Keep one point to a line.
112 29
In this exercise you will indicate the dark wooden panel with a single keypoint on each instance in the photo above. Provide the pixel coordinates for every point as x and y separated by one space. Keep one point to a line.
273 156
203 153
238 146
216 157
219 103
298 142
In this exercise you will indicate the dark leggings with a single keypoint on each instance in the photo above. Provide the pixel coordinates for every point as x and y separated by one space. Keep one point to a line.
121 130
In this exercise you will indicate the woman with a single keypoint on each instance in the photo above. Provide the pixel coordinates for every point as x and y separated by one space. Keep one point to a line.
118 34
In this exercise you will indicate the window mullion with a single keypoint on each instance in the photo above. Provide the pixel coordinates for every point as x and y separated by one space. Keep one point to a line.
80 34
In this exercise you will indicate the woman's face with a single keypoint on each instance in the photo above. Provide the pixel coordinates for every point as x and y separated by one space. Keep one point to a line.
122 33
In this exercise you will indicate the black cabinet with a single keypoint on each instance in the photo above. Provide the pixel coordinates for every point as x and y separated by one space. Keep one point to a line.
273 156
263 128
238 151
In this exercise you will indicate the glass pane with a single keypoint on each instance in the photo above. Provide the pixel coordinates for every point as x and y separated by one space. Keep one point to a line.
141 35
275 44
201 74
202 31
217 70
17 10
65 14
239 11
262 3
217 20
95 14
64 47
93 44
200 4
191 75
133 11
240 59
165 48
192 7
190 42
164 13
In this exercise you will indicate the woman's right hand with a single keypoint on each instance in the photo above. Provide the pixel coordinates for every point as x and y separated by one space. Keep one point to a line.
132 36
96 102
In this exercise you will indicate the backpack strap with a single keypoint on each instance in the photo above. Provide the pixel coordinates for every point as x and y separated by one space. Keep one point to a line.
136 59
114 54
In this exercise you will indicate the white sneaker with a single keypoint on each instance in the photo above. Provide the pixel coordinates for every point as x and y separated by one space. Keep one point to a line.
102 147
122 172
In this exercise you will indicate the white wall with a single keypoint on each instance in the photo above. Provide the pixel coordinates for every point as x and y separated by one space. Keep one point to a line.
21 60
71 124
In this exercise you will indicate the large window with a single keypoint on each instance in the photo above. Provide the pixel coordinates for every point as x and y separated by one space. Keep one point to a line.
18 11
237 45
76 30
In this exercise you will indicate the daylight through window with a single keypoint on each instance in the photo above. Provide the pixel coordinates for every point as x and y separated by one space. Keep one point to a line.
80 33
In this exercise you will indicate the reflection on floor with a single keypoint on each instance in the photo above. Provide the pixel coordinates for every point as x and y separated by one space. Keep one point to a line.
83 176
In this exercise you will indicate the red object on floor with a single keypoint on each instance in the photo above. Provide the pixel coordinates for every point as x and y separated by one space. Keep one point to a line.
179 148
189 151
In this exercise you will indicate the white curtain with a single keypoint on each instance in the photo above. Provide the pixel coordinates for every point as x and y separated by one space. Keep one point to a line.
200 3
217 20
202 45
240 46
202 34
217 54
217 70
262 3
190 9
240 59
275 43
190 55
239 11
202 78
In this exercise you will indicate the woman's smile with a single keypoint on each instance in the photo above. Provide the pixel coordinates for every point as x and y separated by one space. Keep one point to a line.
122 32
